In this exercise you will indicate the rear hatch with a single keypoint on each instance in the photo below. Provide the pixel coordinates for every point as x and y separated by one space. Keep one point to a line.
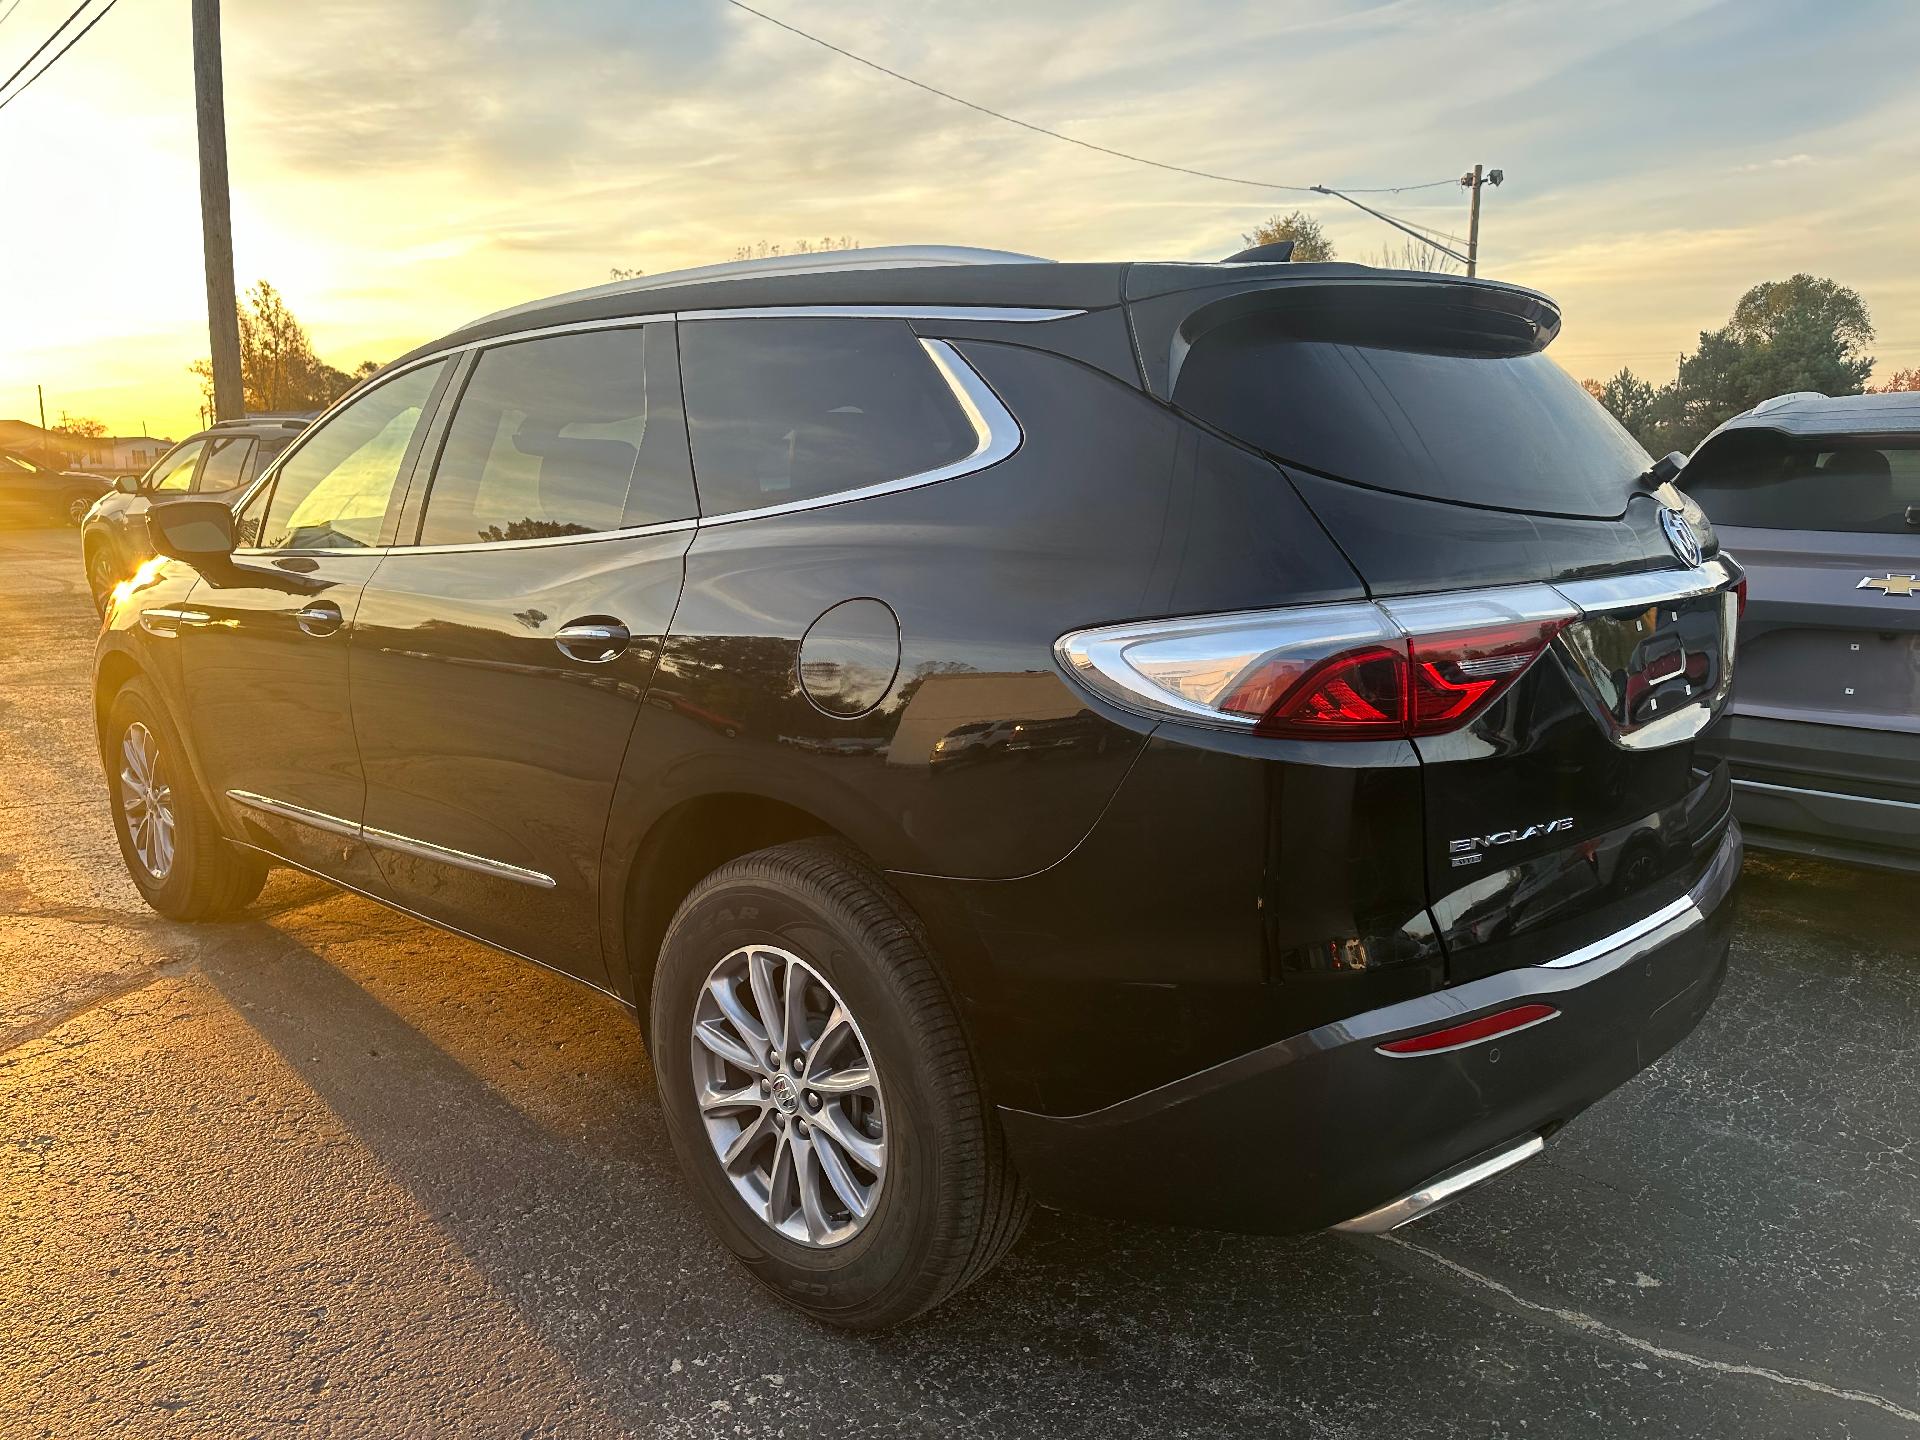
1494 508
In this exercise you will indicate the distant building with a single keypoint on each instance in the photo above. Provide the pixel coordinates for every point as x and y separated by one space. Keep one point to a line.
102 454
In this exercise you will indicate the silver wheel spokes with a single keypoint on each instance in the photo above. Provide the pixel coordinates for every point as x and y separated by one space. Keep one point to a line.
147 799
788 1095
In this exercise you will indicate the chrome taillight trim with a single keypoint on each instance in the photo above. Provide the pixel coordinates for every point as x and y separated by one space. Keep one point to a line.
1096 657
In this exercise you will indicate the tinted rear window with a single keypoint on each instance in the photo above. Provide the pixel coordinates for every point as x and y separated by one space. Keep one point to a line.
1769 482
786 410
1513 431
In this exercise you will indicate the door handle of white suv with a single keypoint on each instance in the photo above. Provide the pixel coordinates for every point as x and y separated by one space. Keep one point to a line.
593 642
321 617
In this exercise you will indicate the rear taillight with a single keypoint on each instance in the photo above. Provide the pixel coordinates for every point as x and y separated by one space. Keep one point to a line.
1740 593
1418 666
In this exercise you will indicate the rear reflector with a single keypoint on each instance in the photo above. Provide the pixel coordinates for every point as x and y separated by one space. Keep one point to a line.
1455 1037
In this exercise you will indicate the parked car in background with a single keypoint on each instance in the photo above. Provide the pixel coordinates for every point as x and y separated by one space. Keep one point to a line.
1820 498
217 464
32 494
1329 663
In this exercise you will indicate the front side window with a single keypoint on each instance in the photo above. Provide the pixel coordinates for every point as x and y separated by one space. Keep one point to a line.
788 410
1770 482
332 493
226 464
570 435
174 472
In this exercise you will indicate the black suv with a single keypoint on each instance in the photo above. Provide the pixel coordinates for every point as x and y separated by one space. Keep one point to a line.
32 494
216 464
1327 667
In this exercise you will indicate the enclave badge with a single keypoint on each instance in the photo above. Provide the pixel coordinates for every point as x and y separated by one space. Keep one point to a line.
1680 535
1472 850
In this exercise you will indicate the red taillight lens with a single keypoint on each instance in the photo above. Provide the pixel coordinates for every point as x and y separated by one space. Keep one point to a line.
1354 670
1740 592
1362 692
1454 1037
1456 676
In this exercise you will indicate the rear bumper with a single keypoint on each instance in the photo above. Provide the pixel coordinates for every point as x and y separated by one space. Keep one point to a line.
1829 790
1323 1128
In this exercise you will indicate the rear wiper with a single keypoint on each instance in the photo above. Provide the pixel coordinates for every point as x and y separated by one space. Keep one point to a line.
1663 470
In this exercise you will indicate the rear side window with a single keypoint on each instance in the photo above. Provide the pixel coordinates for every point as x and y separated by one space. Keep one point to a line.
265 453
226 464
570 435
788 410
1511 431
1769 482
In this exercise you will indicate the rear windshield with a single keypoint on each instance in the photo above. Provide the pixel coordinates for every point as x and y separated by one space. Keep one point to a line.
1768 481
1512 431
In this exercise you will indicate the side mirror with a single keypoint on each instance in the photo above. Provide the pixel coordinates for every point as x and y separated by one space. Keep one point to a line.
1666 468
192 530
127 484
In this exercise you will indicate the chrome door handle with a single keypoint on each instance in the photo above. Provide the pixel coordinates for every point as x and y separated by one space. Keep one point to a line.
322 617
594 642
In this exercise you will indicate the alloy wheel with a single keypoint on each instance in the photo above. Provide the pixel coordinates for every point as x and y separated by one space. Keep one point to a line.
789 1096
77 509
147 798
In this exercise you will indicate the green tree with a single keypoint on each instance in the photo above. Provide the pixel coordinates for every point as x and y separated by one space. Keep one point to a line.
1310 242
278 367
1802 333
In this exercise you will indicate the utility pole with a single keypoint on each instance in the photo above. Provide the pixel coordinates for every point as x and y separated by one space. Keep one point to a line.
1472 181
216 211
40 391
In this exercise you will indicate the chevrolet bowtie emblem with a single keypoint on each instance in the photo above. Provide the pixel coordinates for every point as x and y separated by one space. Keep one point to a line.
1890 584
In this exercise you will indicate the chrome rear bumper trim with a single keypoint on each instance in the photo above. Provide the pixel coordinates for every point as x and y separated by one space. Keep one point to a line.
1441 1189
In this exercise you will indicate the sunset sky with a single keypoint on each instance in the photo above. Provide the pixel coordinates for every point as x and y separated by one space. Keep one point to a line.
400 167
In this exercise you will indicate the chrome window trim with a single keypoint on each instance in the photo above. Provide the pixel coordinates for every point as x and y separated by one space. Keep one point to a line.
390 840
997 435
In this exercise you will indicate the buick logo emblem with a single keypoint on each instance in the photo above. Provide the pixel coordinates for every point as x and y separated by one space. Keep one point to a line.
1680 536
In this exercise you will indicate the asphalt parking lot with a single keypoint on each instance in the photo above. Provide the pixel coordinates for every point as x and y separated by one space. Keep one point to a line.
326 1168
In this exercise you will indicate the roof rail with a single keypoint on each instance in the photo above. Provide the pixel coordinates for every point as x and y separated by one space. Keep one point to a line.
819 262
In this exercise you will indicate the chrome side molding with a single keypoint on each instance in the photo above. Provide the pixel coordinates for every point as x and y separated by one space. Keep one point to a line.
459 859
389 840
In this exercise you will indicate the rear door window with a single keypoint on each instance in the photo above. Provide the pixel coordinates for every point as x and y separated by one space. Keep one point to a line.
569 435
226 464
790 410
1511 431
1767 481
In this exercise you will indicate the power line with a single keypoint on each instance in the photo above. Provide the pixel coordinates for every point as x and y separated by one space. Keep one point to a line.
1055 134
44 43
78 36
10 9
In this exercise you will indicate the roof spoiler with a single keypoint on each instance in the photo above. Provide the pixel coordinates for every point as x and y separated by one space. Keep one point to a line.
1352 305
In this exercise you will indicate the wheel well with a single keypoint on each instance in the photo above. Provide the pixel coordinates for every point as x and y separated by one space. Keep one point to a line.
115 670
686 845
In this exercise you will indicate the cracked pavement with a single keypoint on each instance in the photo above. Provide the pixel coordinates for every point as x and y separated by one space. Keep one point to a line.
325 1167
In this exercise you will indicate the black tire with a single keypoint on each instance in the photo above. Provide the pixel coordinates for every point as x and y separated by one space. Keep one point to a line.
208 876
102 573
951 1205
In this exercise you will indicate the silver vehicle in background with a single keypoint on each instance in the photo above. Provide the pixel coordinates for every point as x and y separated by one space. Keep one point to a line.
1819 497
